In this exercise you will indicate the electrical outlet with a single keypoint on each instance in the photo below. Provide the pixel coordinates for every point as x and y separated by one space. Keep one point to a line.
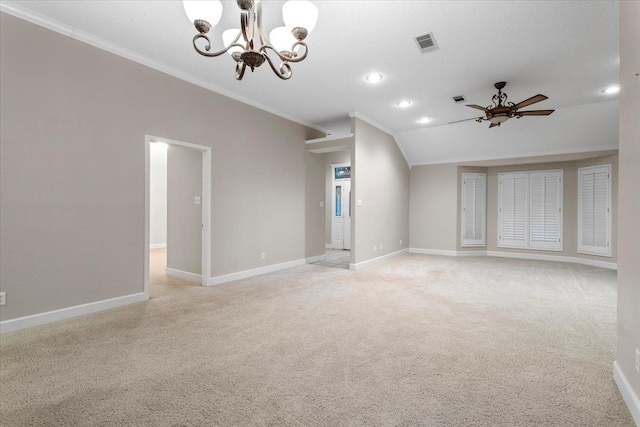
637 359
3 299
380 246
321 204
375 248
263 255
400 242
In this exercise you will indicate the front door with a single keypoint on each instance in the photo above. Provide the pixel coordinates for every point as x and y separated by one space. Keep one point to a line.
341 215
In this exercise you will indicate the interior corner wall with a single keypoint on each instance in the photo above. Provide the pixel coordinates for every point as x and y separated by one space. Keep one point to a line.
570 207
629 203
184 216
158 196
433 207
336 157
72 181
314 212
380 179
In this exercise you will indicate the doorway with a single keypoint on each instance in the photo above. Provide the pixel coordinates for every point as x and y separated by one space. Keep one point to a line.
341 207
188 202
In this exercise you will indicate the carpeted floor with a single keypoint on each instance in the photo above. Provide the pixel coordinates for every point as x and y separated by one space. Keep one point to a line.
415 341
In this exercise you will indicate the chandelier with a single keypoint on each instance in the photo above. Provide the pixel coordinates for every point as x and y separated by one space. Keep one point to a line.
248 45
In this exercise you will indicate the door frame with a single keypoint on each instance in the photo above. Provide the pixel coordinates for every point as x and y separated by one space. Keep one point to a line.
333 198
206 205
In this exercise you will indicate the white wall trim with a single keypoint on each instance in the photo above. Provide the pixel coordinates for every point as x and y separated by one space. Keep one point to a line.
556 258
88 38
433 252
184 275
517 255
157 246
384 129
370 262
519 156
630 398
317 258
328 246
218 280
39 319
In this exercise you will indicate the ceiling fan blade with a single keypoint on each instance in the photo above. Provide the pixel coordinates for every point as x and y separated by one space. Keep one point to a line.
473 118
532 100
535 113
477 107
493 125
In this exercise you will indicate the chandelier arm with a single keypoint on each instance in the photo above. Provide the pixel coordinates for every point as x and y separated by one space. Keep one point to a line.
240 69
264 48
284 72
207 47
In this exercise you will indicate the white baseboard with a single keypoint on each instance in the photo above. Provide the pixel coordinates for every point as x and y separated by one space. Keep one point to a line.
318 258
630 398
432 252
184 275
328 246
217 280
157 246
518 255
39 319
365 264
556 258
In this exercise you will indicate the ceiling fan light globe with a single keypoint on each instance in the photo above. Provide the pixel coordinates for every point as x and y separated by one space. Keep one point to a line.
300 13
496 120
204 10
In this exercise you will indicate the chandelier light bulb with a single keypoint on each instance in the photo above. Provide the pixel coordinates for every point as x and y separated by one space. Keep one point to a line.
230 35
300 13
206 10
403 104
282 39
374 78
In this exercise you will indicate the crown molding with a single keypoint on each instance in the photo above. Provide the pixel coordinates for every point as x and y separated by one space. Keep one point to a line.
520 156
85 37
358 115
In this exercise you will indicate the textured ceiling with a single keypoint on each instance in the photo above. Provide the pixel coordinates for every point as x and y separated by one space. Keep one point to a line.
567 50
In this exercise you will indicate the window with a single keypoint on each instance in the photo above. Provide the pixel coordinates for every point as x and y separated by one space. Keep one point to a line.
342 172
530 210
594 210
473 209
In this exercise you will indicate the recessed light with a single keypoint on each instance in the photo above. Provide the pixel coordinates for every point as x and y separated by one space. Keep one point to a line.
374 78
403 104
611 90
424 120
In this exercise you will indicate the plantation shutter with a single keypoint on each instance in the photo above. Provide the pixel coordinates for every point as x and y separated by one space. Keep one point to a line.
594 210
473 209
513 210
545 227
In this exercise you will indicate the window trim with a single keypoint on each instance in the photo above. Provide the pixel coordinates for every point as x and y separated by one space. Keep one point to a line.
527 243
463 244
580 247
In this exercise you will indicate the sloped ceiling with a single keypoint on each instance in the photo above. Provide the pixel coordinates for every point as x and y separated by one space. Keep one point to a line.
567 50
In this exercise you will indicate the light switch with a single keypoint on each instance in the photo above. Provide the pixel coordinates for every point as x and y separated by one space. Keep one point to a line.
197 200
321 204
359 203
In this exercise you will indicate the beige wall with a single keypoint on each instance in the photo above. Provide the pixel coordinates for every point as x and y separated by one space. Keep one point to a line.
184 217
73 127
433 207
333 158
380 178
629 213
570 202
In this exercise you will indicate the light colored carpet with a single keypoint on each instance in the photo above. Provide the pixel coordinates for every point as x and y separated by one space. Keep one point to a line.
416 341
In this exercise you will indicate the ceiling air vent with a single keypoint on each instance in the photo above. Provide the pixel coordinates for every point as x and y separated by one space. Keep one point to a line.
459 98
427 43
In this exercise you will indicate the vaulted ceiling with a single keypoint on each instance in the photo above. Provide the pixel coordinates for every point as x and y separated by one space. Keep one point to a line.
567 50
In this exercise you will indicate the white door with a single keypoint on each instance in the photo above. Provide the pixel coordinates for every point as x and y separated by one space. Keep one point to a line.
341 215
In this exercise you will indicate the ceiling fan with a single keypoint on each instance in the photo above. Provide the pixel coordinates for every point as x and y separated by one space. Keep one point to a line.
501 111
